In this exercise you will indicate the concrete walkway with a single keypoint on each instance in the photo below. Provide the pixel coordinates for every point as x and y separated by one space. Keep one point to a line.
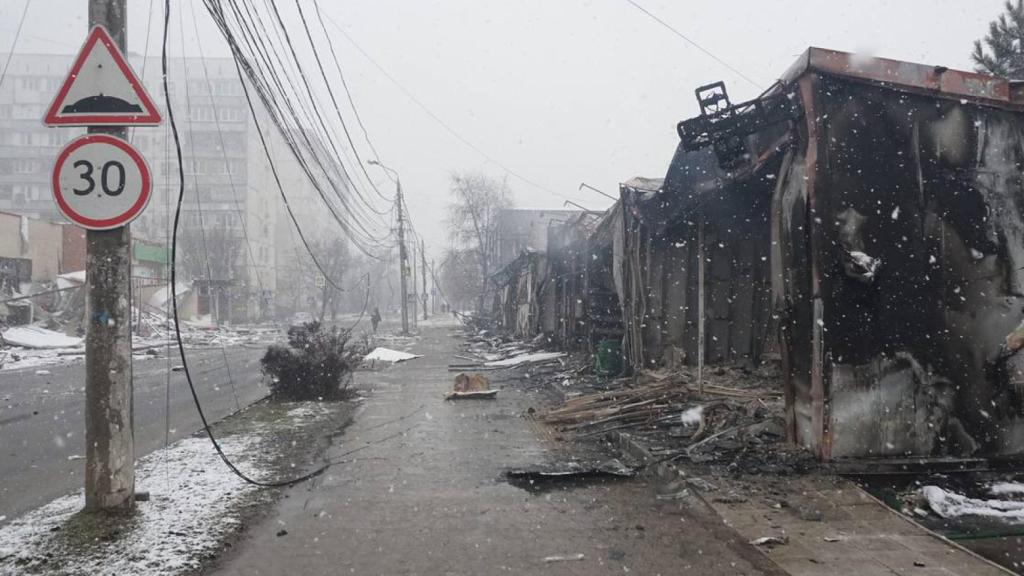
432 501
834 527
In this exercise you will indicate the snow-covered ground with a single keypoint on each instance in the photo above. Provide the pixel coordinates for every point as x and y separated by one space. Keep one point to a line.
948 504
192 495
195 504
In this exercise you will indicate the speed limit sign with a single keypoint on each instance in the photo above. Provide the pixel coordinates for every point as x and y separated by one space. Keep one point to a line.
101 182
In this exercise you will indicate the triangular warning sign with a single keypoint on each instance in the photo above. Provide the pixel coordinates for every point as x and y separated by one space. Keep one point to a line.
101 89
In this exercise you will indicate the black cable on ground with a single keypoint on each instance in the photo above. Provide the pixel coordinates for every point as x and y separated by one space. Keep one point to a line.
174 297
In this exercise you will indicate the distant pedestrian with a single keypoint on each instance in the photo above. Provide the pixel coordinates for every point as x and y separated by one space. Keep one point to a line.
375 318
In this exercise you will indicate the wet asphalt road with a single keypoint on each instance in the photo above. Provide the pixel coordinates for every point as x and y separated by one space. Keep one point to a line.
42 427
425 495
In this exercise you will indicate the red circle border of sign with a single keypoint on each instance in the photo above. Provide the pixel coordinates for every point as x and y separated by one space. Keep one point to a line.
108 223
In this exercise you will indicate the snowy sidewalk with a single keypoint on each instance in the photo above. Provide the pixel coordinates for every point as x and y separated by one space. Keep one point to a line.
425 494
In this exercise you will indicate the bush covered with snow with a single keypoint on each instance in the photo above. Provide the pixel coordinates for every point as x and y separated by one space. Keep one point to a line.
316 364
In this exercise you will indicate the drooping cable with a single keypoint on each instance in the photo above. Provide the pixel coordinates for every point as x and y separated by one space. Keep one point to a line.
292 110
174 297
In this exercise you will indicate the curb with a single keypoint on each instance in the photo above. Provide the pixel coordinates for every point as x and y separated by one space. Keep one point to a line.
664 471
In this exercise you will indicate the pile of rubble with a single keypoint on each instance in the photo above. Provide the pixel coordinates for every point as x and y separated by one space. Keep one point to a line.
485 351
734 418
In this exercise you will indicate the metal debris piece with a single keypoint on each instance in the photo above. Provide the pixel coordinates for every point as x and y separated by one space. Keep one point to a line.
568 471
474 394
770 541
563 558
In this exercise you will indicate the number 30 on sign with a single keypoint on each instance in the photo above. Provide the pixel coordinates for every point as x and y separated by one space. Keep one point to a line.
101 182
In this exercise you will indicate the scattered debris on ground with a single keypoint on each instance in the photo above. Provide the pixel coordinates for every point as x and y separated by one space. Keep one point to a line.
563 558
736 420
380 354
471 395
37 346
520 359
37 337
554 474
470 386
770 541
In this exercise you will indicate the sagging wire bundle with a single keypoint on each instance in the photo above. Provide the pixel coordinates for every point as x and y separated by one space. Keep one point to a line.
174 303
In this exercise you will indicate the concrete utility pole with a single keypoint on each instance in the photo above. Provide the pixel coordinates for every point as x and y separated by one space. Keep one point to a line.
109 425
403 256
403 260
423 267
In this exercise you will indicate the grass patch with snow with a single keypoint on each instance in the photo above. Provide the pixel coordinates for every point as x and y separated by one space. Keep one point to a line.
196 503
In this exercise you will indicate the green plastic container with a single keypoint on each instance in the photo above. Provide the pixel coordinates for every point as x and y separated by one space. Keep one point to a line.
608 359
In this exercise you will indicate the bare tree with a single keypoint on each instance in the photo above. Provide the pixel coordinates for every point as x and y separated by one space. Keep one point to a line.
332 255
458 277
473 219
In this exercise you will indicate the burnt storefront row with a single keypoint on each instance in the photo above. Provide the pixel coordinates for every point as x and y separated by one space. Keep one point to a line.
864 220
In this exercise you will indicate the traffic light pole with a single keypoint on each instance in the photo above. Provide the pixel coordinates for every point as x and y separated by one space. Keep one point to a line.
109 423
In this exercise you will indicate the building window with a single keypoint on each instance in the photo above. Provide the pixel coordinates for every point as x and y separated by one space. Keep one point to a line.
232 114
30 83
25 166
202 114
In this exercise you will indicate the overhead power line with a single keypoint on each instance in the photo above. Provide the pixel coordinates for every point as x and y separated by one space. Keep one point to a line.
355 111
438 119
258 43
675 31
174 297
14 43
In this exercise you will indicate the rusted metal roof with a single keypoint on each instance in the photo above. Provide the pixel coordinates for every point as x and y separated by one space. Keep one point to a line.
922 78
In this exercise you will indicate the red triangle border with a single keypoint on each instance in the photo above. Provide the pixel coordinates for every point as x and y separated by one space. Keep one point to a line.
99 35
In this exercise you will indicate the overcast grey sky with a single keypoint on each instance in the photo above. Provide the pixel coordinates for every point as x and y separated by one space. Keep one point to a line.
559 91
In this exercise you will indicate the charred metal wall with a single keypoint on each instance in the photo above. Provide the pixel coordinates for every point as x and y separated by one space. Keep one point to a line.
898 270
664 263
